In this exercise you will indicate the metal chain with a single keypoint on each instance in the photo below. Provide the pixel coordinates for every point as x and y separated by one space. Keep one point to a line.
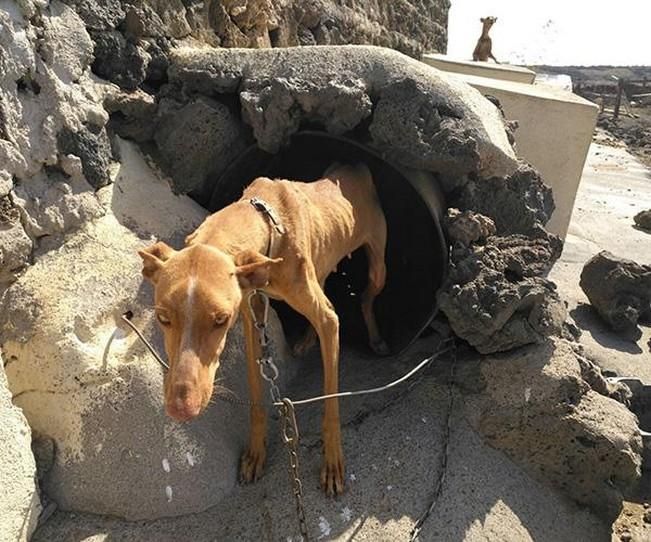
290 437
289 427
438 488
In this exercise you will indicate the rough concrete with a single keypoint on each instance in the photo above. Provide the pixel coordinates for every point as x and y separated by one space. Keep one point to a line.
539 409
620 291
421 118
488 69
20 505
495 296
393 445
115 451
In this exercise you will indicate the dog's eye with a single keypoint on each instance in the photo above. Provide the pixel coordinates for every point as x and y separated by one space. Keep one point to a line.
164 320
220 320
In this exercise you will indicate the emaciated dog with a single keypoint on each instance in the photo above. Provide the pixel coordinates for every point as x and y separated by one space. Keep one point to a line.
201 289
484 48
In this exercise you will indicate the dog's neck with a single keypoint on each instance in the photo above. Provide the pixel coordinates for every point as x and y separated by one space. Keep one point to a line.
234 229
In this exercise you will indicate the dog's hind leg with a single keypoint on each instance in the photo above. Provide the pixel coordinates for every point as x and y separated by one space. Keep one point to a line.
376 279
253 459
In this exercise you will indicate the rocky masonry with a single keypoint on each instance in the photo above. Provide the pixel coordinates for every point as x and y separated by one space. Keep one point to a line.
80 78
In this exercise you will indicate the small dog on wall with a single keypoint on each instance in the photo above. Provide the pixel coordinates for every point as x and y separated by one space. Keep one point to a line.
284 238
484 48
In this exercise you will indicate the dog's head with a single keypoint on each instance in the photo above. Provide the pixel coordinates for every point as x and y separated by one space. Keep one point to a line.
198 291
488 22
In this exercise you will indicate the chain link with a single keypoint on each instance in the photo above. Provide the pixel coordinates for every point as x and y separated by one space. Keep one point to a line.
290 437
289 427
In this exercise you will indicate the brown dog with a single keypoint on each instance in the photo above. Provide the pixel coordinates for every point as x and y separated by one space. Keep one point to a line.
484 48
201 289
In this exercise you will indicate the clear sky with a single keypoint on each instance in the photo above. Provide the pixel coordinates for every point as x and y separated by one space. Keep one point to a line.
556 32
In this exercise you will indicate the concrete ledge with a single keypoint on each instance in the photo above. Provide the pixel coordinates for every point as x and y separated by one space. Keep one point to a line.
554 134
504 72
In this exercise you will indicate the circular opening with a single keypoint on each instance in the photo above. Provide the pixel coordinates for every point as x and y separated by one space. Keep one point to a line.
416 254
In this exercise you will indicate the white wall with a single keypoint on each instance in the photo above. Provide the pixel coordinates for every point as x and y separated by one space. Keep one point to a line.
557 32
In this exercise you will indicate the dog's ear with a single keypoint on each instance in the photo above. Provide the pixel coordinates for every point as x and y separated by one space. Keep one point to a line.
153 258
482 19
253 269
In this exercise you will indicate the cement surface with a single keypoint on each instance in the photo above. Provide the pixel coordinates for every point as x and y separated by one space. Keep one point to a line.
393 451
393 448
615 187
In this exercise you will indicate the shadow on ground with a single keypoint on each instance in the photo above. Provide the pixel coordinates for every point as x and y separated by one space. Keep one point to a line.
586 317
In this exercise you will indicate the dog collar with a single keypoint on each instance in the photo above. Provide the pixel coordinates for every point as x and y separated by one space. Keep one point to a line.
269 212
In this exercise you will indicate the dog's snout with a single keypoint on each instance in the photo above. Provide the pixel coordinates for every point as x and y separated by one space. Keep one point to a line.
181 391
183 403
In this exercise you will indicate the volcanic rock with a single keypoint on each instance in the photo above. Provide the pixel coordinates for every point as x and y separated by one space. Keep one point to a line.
620 291
643 220
495 297
541 411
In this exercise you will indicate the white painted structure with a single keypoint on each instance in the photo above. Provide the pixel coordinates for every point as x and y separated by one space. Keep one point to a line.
555 128
504 72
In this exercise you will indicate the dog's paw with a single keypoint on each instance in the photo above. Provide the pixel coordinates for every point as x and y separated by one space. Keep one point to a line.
332 476
252 465
380 347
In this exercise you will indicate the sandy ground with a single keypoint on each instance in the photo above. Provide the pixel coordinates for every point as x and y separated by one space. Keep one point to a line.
393 443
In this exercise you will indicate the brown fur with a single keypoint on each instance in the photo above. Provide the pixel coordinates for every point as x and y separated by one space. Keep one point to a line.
484 48
201 289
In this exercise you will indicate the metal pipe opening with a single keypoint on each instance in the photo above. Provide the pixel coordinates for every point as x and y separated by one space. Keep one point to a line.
417 252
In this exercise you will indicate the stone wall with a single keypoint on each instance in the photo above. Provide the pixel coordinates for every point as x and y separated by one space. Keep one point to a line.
133 37
50 97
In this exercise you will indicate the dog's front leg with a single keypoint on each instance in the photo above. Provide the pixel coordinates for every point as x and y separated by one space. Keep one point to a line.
311 302
332 472
253 459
